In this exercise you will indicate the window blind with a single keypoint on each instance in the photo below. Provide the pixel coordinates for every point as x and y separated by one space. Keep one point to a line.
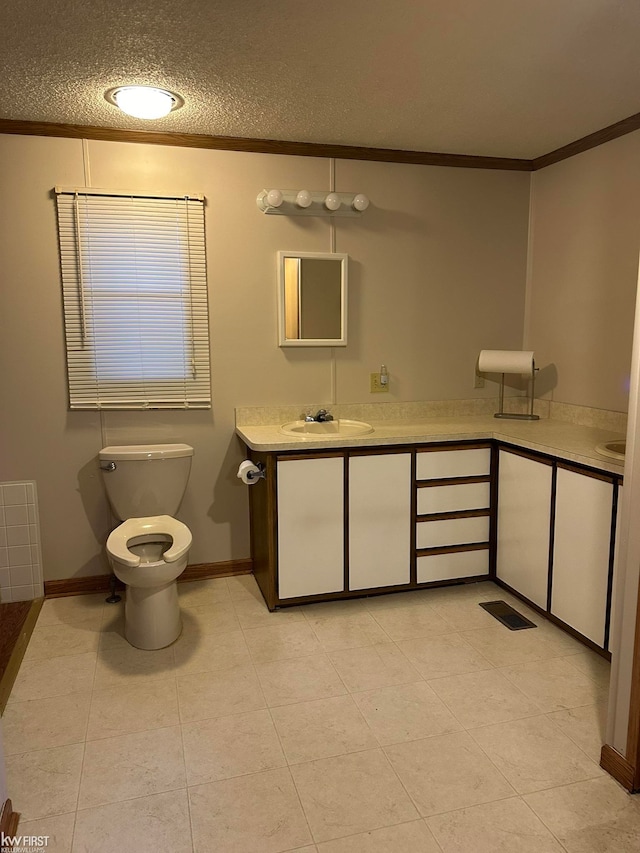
134 285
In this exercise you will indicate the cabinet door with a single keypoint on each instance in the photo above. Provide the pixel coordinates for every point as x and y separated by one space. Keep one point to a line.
524 518
310 526
581 553
379 520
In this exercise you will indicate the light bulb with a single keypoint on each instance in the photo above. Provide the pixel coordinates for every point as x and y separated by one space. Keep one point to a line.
332 201
360 202
274 198
144 101
303 199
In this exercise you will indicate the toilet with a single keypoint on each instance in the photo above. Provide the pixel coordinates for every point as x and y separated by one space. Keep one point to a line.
145 484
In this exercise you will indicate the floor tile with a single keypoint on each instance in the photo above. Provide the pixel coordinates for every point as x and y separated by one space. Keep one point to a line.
217 617
281 642
259 813
563 643
597 816
58 830
254 613
44 723
555 684
351 794
133 765
143 825
447 772
437 657
208 591
463 615
350 632
73 609
533 754
404 623
230 746
373 666
482 698
346 607
503 647
243 587
127 665
405 712
136 708
210 652
41 679
288 681
322 728
501 827
50 641
586 726
593 665
45 782
217 694
413 837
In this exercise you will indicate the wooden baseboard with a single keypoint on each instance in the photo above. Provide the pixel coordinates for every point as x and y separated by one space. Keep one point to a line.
617 766
11 672
8 820
101 583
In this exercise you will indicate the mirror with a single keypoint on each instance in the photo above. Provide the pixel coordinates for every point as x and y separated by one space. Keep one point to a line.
312 299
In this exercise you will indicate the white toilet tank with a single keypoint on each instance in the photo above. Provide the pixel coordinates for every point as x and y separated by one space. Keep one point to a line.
145 479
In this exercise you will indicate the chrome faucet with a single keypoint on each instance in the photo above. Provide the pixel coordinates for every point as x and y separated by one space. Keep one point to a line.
323 415
320 417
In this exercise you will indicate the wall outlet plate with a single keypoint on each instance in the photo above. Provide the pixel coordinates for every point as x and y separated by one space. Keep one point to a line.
479 381
376 387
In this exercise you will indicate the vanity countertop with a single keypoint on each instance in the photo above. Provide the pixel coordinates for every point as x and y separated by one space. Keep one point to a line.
563 440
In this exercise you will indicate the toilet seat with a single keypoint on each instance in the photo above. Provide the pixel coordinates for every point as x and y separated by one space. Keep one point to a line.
164 525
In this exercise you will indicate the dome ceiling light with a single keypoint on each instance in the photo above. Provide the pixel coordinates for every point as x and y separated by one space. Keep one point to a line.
146 102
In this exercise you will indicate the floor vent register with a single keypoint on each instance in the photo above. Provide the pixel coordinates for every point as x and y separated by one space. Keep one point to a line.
506 614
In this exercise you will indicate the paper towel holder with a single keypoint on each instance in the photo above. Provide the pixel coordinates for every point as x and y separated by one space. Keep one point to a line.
529 416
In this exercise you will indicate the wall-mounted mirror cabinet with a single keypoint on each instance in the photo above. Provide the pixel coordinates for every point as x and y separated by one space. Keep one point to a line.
312 299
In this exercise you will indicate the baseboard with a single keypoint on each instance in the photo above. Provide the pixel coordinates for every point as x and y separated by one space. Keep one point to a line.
11 672
8 820
101 583
617 766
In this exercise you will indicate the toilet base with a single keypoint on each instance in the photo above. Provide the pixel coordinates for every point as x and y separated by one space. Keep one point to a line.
152 616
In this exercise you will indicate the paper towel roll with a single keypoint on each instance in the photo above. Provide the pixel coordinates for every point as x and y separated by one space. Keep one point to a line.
505 361
247 472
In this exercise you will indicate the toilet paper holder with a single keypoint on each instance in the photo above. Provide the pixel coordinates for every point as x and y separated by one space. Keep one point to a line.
260 473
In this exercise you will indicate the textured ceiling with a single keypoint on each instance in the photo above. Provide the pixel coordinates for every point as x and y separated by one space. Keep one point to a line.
504 78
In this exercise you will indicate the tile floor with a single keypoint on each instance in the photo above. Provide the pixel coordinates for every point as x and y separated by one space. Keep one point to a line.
412 722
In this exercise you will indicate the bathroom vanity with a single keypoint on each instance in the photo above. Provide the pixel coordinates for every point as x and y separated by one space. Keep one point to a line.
388 513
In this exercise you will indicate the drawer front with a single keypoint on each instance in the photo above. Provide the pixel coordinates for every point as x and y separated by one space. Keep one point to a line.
452 498
444 567
452 531
438 464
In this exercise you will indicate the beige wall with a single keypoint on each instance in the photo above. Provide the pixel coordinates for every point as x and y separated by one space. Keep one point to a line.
437 272
585 237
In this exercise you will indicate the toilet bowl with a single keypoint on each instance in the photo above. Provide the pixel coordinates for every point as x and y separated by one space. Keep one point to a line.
148 555
145 484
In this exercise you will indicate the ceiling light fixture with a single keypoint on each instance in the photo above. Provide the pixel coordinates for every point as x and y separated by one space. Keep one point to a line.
146 102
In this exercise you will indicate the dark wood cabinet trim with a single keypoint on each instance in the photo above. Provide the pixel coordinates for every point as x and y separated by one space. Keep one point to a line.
345 499
413 568
552 534
618 767
533 455
586 472
471 444
311 454
493 503
612 550
452 481
452 549
458 513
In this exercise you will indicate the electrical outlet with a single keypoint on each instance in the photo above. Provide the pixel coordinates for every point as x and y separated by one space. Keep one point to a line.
376 387
479 381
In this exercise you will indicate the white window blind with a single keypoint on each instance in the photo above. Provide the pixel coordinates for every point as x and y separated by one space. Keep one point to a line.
134 287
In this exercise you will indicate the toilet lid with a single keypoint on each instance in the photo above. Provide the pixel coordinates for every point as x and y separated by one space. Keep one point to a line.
118 541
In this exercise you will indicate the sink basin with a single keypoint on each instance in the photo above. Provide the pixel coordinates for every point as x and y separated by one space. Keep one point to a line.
613 449
339 428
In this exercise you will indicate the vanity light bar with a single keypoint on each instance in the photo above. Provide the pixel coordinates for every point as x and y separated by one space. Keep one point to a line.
310 203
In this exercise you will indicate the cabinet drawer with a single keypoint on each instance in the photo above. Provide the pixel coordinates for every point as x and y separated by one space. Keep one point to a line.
438 464
452 498
452 531
444 567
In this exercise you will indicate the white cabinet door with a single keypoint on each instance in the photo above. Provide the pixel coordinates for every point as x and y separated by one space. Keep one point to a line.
379 520
310 526
524 518
581 553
